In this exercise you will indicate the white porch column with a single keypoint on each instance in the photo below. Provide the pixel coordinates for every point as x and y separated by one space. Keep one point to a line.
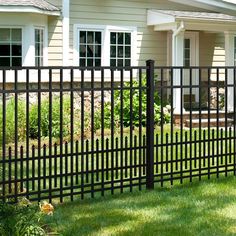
229 61
177 60
66 31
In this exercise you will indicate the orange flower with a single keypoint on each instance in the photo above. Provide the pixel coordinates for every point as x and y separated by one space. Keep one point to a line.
46 208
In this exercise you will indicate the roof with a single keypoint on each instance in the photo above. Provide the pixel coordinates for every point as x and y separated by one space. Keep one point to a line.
40 5
198 15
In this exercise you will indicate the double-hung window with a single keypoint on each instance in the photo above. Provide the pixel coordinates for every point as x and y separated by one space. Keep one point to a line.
90 47
120 49
10 47
105 46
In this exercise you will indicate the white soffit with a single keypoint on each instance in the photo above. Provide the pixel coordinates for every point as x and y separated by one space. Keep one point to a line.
224 6
163 20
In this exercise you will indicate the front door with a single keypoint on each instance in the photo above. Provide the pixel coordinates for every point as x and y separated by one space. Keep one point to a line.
191 49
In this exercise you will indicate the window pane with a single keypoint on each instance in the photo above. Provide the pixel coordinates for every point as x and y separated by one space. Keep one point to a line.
120 62
120 51
187 63
16 35
187 53
97 62
113 38
128 38
4 61
98 37
90 36
127 62
82 51
82 36
5 35
4 50
127 51
82 62
37 36
120 38
89 50
37 61
113 62
16 50
187 43
16 61
113 51
97 51
90 62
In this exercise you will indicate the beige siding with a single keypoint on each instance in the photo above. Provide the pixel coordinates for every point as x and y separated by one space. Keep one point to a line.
55 37
150 44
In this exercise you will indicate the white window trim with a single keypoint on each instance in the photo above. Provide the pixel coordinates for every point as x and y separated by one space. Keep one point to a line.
105 60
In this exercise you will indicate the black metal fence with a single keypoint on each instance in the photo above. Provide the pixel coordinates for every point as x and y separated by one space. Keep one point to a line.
76 132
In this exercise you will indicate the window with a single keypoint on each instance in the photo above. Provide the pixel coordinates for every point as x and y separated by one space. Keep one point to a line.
38 47
120 49
90 48
187 52
10 47
105 45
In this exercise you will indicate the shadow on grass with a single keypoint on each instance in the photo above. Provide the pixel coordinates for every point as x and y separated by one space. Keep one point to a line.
206 208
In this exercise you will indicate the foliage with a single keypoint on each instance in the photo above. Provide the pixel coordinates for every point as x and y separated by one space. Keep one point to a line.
122 106
44 118
21 219
10 118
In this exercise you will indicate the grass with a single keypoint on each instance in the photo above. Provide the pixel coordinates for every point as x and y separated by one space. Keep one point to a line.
205 208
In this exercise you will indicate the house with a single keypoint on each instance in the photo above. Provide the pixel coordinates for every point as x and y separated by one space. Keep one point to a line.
118 33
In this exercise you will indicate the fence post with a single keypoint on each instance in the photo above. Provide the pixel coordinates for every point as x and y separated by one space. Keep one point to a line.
150 125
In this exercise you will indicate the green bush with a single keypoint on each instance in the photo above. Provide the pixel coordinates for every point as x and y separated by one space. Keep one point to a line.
20 219
10 120
135 94
44 122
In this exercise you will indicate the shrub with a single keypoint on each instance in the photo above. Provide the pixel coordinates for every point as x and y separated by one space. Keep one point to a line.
135 94
44 121
21 219
10 120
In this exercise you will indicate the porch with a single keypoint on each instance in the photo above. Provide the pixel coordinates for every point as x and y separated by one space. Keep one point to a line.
202 44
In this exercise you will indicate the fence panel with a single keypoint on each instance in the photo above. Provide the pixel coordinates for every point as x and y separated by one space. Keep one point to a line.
71 133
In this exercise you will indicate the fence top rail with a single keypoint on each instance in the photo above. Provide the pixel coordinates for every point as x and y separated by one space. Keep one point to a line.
119 68
195 67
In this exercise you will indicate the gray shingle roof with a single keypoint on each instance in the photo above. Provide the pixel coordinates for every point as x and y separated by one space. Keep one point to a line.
198 15
40 4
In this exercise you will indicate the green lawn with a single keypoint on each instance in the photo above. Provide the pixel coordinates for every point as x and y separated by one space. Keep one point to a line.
204 208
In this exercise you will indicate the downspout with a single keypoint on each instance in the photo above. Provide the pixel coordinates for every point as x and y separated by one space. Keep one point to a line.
176 50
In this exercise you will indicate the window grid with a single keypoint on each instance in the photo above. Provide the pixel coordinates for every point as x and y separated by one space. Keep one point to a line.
10 47
120 49
39 47
90 48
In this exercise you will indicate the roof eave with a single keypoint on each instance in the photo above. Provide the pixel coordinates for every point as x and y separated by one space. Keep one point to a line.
196 19
28 9
212 5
